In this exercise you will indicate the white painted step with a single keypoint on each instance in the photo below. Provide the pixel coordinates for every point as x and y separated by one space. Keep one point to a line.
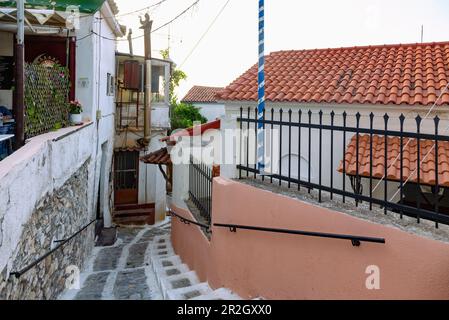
162 252
163 272
153 247
187 279
219 294
162 239
164 262
188 293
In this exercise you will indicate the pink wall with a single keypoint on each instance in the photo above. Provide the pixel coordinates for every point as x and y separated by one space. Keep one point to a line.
281 266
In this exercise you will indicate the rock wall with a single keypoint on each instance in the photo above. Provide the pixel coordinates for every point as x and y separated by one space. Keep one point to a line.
56 217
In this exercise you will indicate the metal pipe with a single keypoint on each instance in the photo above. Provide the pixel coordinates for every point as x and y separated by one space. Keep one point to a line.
19 110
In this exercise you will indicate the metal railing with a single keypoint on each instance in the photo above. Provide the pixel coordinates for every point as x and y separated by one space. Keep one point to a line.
189 221
367 158
200 187
355 240
61 243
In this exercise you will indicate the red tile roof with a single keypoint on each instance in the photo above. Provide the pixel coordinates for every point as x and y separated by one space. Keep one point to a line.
158 157
410 152
202 94
191 131
390 74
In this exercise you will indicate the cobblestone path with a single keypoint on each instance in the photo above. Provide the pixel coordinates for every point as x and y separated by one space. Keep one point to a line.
142 265
122 271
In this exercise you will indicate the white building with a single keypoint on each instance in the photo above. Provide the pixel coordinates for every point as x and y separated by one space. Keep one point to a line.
139 188
59 182
205 98
396 79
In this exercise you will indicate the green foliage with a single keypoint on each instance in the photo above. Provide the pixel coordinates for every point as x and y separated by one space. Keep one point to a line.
75 107
46 92
184 115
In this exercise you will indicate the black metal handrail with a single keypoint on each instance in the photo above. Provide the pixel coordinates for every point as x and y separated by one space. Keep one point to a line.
21 272
188 221
355 240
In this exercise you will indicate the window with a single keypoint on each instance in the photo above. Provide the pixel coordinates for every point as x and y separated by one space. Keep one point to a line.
110 85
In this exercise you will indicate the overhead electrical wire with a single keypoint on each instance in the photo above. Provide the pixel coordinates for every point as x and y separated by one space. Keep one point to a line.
141 36
205 33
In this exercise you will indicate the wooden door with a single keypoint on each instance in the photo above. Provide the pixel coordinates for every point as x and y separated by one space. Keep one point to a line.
126 177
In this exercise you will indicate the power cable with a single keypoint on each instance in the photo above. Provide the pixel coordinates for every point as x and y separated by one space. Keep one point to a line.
157 29
205 33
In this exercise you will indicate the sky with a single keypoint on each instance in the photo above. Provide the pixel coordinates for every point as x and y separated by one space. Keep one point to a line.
231 45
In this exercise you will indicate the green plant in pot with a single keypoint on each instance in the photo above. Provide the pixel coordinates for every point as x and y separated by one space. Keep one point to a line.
76 110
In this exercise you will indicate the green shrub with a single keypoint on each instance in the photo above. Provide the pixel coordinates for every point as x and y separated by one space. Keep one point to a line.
184 115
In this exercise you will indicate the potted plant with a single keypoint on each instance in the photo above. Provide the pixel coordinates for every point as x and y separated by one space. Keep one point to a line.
75 109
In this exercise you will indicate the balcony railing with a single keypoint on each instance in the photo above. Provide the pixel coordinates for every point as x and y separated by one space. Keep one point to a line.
394 164
200 187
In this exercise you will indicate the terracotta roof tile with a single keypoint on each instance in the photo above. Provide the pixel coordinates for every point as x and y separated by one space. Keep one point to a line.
412 74
161 157
202 94
410 152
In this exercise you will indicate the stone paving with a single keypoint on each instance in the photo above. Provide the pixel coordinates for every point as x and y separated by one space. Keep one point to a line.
122 271
142 265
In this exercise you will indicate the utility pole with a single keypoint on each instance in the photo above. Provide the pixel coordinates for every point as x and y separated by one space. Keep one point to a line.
19 113
130 42
261 90
146 26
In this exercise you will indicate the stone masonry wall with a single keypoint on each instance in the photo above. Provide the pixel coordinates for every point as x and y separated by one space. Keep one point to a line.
56 217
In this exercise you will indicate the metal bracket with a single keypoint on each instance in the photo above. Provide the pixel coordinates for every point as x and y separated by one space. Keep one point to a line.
233 229
355 243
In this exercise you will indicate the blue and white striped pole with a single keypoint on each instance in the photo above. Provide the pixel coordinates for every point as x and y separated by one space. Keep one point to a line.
261 90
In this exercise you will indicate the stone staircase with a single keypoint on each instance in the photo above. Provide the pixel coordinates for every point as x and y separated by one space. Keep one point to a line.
175 280
141 265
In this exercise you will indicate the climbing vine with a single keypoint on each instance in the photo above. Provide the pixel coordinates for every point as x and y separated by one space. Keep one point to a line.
46 98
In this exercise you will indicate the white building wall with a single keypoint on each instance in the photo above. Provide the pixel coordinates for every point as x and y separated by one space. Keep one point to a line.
211 111
43 165
95 58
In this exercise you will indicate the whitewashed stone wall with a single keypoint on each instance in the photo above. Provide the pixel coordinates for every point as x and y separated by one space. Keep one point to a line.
46 194
56 217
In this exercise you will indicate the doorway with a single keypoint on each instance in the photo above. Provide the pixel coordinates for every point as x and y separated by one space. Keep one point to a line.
126 175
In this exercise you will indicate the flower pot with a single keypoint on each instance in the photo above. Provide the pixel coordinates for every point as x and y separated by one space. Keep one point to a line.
76 119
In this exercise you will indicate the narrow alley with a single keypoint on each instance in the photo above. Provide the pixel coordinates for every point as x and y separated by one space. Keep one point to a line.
141 265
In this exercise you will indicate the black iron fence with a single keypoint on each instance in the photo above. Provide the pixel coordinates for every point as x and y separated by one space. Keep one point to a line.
396 164
200 187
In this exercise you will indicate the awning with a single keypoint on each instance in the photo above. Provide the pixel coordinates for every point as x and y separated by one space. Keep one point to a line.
86 6
410 155
35 17
160 157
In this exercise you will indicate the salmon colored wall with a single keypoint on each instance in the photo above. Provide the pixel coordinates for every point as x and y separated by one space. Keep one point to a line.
281 266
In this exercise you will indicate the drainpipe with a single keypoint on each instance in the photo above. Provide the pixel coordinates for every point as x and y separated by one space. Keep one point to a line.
19 113
146 26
